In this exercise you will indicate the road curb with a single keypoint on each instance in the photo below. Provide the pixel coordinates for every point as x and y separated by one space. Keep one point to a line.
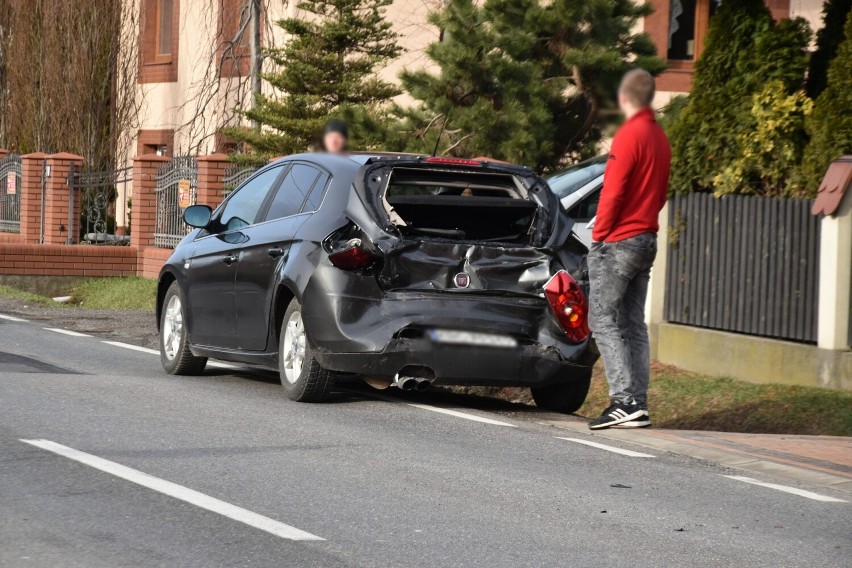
660 440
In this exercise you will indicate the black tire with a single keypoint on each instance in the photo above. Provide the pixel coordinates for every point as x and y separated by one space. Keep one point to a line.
182 361
564 397
313 383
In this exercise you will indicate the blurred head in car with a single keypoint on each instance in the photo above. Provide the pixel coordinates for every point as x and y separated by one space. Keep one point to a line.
335 139
636 91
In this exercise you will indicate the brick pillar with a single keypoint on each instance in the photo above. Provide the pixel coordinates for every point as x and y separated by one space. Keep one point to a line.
143 211
211 179
31 187
61 207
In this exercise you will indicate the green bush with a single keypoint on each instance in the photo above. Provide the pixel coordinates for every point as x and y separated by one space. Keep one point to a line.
746 50
770 145
830 124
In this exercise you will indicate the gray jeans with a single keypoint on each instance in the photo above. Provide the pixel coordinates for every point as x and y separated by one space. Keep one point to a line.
618 276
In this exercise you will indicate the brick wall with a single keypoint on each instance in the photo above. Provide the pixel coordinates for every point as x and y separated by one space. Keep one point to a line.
151 260
66 260
11 238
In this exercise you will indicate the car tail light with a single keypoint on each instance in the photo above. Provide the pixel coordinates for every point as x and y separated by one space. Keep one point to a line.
353 257
569 305
453 161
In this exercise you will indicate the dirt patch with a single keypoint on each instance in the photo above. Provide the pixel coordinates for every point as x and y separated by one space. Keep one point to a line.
130 326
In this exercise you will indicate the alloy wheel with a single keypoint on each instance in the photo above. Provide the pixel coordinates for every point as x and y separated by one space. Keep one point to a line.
293 350
172 328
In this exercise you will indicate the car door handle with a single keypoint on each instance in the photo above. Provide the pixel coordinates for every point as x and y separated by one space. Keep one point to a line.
230 259
275 252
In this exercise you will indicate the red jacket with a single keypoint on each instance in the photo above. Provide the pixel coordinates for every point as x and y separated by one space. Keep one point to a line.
636 180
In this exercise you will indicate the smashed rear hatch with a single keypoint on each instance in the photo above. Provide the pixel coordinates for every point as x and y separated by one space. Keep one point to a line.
464 227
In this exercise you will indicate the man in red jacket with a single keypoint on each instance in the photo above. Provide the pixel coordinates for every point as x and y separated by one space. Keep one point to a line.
636 181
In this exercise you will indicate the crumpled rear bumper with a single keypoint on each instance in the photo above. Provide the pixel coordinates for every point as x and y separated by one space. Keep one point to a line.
527 365
367 331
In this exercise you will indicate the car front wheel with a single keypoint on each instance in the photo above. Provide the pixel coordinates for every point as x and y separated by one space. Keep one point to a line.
564 397
302 377
174 337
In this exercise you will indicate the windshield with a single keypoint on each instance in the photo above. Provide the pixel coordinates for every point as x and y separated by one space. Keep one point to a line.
568 181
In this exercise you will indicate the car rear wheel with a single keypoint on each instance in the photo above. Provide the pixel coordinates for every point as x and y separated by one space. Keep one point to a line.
302 377
174 337
564 397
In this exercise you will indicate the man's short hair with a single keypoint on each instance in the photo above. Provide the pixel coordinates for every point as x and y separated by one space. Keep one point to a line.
639 87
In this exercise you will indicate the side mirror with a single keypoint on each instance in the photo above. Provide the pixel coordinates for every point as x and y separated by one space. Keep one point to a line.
197 216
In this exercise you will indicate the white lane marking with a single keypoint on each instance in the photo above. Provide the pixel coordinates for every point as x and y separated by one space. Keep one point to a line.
455 413
155 352
613 449
177 491
67 332
458 414
11 318
133 347
786 489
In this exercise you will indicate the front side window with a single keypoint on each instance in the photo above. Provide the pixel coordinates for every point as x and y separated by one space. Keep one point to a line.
293 192
242 207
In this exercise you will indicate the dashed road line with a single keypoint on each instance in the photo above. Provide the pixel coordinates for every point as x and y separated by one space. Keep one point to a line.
787 489
12 318
133 347
155 352
458 414
67 332
186 494
613 449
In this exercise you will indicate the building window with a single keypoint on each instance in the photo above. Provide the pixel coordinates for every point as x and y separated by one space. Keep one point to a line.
158 42
159 142
164 27
688 23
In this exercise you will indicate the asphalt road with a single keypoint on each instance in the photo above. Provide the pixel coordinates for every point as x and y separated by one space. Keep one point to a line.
225 471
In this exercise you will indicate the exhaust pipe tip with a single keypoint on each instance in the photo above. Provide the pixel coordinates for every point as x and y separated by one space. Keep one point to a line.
423 385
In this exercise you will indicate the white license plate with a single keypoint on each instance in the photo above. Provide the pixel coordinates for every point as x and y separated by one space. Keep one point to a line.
457 337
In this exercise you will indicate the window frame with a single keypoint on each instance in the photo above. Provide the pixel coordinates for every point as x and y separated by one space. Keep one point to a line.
153 66
268 205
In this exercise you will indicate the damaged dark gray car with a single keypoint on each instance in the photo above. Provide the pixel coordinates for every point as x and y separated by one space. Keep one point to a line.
406 270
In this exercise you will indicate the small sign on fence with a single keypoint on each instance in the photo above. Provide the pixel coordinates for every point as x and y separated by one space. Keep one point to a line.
11 183
184 195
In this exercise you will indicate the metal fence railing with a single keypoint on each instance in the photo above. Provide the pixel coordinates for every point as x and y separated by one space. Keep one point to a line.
236 175
10 194
99 191
744 264
177 189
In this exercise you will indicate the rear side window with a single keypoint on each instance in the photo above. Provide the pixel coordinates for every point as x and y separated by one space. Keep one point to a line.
294 191
315 198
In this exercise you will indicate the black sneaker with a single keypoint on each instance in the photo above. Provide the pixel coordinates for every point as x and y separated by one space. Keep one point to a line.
641 422
617 413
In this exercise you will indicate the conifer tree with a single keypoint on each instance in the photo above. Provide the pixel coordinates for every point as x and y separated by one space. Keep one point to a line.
828 38
328 64
745 51
526 81
830 123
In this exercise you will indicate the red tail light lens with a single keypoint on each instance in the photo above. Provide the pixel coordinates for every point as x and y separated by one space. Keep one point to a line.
453 161
569 305
352 258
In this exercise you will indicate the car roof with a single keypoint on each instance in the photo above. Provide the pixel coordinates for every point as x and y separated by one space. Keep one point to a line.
363 158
